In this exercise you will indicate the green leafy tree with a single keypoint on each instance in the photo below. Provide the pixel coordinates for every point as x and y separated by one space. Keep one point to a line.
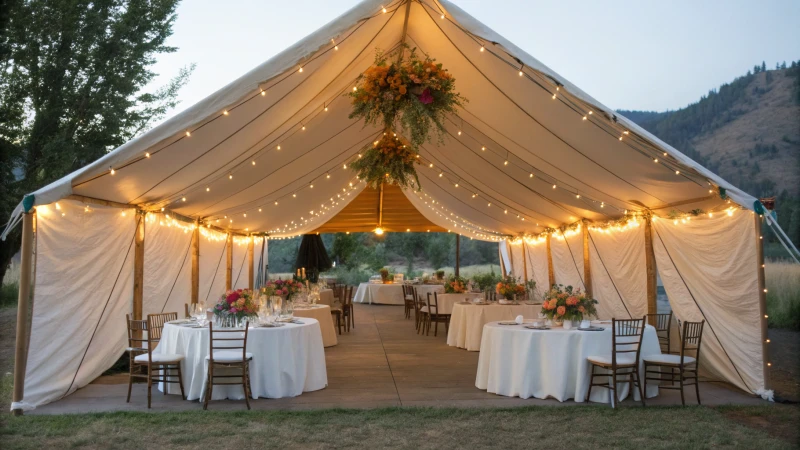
344 247
72 80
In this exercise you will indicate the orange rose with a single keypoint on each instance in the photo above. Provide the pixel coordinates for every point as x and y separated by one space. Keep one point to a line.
561 310
572 301
581 309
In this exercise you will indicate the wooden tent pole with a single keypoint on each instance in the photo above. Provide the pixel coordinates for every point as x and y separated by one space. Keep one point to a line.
524 262
458 254
587 268
23 301
228 261
762 299
196 262
650 267
551 275
138 266
250 257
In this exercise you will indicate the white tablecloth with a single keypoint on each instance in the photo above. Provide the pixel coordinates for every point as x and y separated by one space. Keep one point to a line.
287 361
424 289
385 294
323 314
446 301
518 362
326 297
467 321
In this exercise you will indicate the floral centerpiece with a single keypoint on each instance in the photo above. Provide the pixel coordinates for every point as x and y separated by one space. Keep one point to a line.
384 274
388 160
508 287
565 303
440 274
455 285
239 304
283 288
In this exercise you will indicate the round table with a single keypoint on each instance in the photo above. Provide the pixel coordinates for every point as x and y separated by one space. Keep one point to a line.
446 301
467 321
326 297
520 362
323 315
287 360
384 294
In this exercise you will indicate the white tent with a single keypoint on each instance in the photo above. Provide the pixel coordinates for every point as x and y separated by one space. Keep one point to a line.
529 157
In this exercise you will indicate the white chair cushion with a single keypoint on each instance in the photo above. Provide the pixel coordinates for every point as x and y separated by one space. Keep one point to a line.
423 309
159 358
665 358
410 297
230 356
623 359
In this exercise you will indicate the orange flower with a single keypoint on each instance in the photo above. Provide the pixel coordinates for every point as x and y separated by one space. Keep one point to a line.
572 301
581 309
561 310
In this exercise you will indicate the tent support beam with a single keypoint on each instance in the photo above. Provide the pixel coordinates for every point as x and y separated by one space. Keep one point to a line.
458 254
684 202
97 201
250 258
650 267
23 302
524 263
551 275
762 299
587 268
138 267
196 263
228 261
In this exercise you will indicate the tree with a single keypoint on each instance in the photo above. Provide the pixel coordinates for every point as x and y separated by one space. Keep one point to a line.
71 87
343 248
763 66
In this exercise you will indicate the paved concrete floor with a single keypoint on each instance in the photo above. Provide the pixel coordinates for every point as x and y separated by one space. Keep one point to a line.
381 362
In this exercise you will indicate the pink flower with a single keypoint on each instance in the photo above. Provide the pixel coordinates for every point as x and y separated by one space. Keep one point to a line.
285 291
426 98
234 310
232 297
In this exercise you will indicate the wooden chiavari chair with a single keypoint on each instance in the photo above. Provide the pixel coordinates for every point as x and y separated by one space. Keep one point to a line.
434 317
157 365
336 308
408 298
662 323
626 344
422 308
347 307
228 350
137 345
682 368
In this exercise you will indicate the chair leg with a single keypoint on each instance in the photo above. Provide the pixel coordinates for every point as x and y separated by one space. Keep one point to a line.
591 382
697 388
130 379
614 397
642 390
436 328
165 377
209 386
149 385
244 385
683 401
180 382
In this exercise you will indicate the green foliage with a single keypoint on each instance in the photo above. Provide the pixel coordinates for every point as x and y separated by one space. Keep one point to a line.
71 81
343 248
389 161
9 295
487 280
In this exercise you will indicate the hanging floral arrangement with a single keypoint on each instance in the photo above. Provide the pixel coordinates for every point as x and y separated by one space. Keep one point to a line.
411 95
388 160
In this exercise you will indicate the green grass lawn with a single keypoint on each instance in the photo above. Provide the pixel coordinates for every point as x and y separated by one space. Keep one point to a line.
572 427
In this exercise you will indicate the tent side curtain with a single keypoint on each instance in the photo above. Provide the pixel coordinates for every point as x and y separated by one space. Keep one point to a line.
516 257
83 289
167 284
568 259
536 256
239 272
619 281
709 270
212 266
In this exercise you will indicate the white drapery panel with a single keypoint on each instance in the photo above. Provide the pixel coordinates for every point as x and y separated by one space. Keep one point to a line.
567 255
517 264
83 289
619 278
167 266
212 266
260 256
239 273
536 253
505 259
708 267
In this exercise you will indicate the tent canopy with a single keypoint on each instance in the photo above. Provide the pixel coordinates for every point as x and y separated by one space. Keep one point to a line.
268 152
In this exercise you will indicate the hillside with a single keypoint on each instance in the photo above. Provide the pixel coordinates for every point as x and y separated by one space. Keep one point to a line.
747 131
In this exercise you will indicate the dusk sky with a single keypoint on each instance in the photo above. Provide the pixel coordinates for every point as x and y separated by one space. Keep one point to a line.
628 54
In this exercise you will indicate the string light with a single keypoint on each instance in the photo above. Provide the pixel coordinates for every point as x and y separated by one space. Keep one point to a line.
254 163
278 147
225 113
263 92
230 176
301 70
482 49
188 133
147 155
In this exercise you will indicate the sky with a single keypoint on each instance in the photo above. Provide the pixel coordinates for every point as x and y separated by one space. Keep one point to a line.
645 55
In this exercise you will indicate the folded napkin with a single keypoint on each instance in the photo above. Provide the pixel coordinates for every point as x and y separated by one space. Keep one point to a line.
519 319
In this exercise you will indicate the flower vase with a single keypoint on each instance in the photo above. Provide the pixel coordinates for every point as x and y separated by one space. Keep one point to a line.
558 321
567 324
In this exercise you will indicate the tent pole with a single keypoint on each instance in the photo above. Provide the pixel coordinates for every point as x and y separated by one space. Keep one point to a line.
250 257
138 267
458 254
228 261
551 275
762 299
196 262
23 301
524 262
587 268
650 267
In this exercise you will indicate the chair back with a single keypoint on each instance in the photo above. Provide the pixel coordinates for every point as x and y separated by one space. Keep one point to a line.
433 308
227 339
155 324
692 335
626 337
347 295
662 323
417 305
136 331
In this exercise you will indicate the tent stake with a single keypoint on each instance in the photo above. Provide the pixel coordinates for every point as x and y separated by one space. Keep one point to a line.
762 299
196 263
650 266
250 258
228 261
587 268
551 275
23 300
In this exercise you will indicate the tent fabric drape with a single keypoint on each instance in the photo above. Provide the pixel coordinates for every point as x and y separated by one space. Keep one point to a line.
517 265
505 259
167 284
84 288
619 283
568 259
708 267
239 274
212 266
537 267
